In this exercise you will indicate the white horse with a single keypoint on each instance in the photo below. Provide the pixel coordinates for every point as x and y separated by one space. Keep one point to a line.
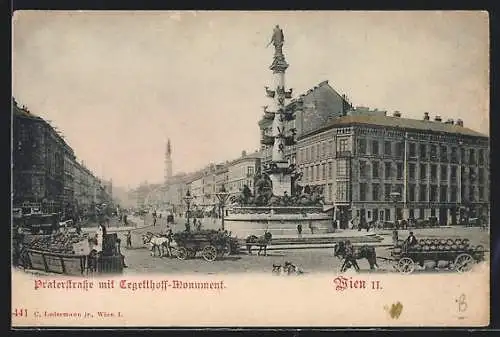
158 242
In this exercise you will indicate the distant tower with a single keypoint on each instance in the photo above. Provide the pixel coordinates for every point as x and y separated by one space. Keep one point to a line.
168 163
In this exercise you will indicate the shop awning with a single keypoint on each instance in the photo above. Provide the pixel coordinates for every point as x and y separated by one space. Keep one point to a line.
327 208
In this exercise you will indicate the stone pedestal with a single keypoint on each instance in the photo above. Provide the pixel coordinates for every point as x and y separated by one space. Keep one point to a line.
281 183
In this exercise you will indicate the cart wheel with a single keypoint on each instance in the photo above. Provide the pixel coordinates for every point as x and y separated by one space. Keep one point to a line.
406 265
182 253
210 253
463 263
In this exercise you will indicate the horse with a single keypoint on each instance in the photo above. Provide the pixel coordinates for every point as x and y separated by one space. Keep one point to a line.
261 241
158 242
361 252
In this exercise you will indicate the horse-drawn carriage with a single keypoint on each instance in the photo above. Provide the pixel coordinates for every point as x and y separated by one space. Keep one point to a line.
458 254
211 243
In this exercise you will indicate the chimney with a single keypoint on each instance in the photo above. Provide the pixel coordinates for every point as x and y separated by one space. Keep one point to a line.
437 118
396 114
449 121
426 116
243 153
460 122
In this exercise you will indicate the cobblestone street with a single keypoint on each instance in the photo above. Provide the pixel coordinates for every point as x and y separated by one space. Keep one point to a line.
310 260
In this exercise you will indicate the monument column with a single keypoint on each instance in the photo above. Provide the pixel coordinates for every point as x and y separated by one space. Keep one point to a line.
279 169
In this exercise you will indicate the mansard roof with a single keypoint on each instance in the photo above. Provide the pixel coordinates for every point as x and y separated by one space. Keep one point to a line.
398 123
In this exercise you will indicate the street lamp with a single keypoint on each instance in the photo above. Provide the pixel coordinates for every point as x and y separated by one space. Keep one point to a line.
222 195
188 199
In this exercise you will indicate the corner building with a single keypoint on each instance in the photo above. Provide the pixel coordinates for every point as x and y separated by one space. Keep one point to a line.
440 169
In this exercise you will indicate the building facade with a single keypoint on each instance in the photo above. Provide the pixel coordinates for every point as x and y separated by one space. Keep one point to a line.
380 167
38 169
242 171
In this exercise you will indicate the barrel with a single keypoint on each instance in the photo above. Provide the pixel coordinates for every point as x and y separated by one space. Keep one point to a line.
454 247
449 242
425 248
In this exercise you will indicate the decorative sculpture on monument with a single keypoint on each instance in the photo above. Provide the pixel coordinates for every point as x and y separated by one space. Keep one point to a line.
277 39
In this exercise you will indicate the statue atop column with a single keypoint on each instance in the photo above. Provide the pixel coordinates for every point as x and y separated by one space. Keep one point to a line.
277 39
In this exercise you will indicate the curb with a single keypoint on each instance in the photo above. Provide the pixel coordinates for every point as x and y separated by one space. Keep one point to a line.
311 246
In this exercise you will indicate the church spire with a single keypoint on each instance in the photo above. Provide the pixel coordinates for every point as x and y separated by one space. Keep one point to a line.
168 162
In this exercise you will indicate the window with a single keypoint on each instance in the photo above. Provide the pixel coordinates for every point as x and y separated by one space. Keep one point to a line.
330 165
444 172
362 191
330 147
444 153
411 192
412 150
481 175
481 193
387 214
362 169
472 157
324 170
250 170
341 168
312 173
317 173
375 192
342 145
453 194
312 153
433 212
423 193
480 156
454 154
421 213
387 192
462 156
434 192
375 168
443 193
324 150
433 152
423 151
375 147
362 146
399 167
342 192
387 170
308 154
400 149
433 172
387 148
471 194
318 151
423 171
453 173
412 170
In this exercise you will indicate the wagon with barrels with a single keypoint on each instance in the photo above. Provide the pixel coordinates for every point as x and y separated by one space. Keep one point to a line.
457 254
68 254
211 244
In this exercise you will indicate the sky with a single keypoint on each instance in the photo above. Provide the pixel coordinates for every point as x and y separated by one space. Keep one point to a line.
119 84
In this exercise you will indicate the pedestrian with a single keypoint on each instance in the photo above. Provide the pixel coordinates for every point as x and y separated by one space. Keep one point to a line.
154 218
311 227
395 237
78 229
198 226
299 230
129 239
125 219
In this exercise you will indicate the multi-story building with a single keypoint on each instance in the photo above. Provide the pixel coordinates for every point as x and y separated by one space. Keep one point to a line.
241 172
380 167
311 110
37 162
221 176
